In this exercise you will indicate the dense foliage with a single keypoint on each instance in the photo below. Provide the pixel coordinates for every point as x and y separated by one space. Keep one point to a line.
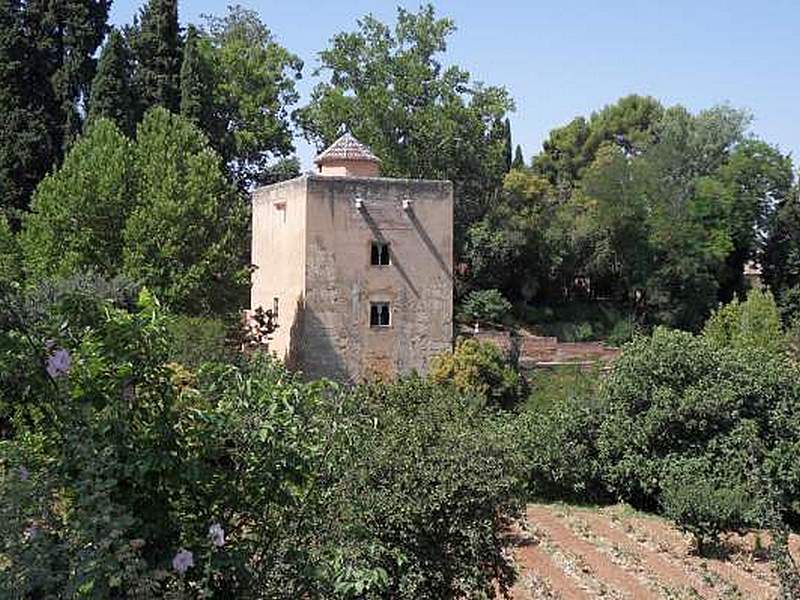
701 428
127 475
158 209
652 207
487 306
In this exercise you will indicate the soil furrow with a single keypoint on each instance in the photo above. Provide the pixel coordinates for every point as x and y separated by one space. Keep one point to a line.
611 574
748 585
533 560
669 571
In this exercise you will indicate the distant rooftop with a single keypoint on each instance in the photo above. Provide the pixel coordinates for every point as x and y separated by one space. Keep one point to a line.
346 148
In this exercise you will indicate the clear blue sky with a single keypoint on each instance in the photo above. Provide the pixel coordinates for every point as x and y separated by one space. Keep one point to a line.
569 57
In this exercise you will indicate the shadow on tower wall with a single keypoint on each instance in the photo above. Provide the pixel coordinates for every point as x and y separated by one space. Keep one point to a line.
312 350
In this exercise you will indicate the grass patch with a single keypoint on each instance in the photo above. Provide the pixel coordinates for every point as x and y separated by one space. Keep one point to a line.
560 383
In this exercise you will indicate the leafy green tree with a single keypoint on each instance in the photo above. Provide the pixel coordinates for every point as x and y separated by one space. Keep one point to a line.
186 236
508 248
487 306
78 212
155 42
780 260
629 124
112 89
753 181
422 118
248 80
754 323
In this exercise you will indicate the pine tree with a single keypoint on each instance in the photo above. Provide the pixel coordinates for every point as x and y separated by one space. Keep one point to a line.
196 82
155 42
79 210
187 235
111 95
519 159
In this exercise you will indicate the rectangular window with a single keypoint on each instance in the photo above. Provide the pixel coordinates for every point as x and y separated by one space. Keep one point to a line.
275 308
379 314
380 254
280 207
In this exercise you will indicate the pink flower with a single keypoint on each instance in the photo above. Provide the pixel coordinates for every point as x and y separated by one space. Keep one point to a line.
24 474
182 561
217 535
58 363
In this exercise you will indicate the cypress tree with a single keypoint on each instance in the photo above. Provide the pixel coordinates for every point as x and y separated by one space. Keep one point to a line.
196 82
155 42
111 95
68 33
28 129
519 160
46 65
507 147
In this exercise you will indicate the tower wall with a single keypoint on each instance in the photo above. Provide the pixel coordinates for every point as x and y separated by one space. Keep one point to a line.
278 253
341 284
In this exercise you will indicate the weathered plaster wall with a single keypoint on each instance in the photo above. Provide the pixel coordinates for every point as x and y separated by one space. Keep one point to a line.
349 168
337 340
278 253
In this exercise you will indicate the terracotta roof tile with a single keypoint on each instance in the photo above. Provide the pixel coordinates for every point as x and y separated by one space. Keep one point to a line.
346 148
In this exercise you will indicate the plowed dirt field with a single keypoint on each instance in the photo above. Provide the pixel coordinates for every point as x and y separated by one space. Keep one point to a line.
614 552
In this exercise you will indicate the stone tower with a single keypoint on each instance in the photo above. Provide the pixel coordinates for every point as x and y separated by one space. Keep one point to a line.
358 267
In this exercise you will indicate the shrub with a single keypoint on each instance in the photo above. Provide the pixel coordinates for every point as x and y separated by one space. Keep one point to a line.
10 262
478 368
622 332
199 340
567 384
421 497
755 323
707 501
558 447
677 399
486 306
114 469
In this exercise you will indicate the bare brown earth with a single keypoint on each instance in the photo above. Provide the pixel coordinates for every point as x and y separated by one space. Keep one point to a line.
566 552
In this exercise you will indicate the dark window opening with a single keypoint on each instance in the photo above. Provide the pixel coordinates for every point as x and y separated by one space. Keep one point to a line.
380 254
379 314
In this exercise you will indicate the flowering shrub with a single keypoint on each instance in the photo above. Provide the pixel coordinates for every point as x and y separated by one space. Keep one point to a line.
125 474
116 477
479 368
